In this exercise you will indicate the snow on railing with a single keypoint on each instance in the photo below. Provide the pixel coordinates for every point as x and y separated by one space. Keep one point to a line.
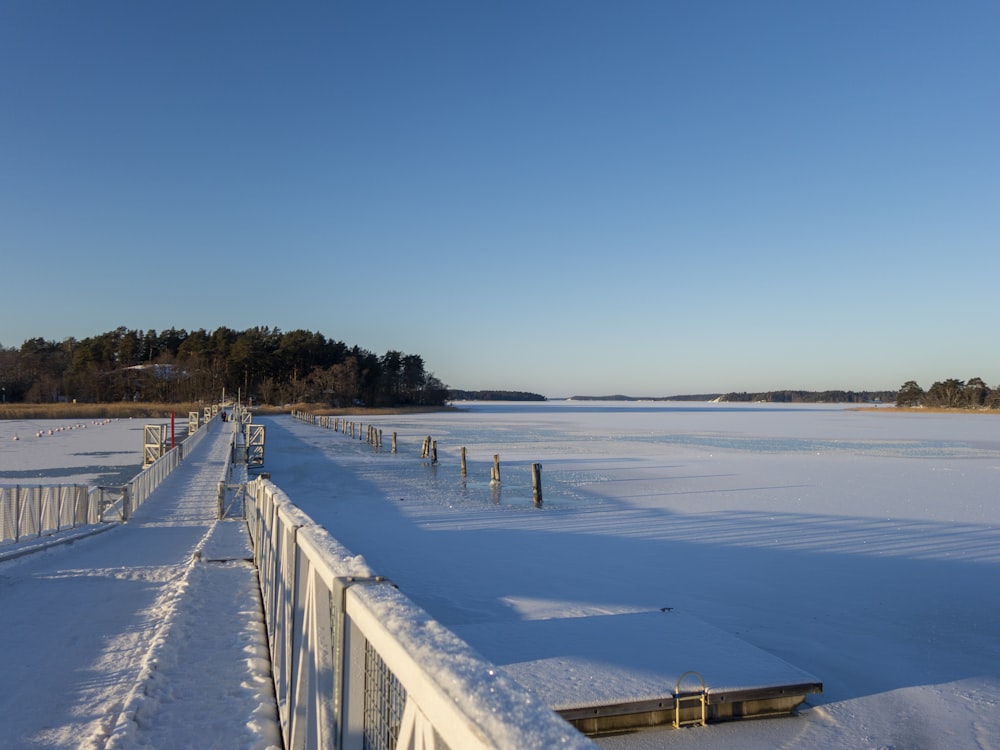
357 664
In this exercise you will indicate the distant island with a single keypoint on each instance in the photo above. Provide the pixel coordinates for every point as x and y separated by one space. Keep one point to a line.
944 394
493 395
776 397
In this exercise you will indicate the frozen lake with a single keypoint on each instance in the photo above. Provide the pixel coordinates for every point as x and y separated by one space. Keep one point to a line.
860 546
60 451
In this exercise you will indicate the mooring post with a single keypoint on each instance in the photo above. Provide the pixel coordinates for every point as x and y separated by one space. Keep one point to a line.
393 442
495 476
464 472
536 484
434 451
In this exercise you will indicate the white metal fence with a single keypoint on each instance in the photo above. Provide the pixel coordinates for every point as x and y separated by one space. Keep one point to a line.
27 511
358 666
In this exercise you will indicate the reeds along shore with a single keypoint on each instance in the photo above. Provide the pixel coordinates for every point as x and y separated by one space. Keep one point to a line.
116 410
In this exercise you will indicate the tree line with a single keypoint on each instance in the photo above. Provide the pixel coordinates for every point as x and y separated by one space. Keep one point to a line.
263 364
812 397
950 394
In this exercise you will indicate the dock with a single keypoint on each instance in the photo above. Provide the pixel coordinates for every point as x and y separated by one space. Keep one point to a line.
616 672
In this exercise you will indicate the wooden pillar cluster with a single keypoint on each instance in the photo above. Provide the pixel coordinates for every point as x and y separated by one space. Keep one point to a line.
428 450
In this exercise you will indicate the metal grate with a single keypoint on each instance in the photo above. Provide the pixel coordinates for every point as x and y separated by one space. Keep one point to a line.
385 699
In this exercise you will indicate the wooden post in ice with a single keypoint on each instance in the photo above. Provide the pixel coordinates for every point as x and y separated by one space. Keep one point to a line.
434 452
464 472
536 484
495 472
394 442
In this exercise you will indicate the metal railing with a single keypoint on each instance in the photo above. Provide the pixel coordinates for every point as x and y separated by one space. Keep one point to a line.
27 511
358 666
32 511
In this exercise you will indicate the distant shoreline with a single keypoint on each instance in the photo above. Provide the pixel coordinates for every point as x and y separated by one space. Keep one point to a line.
923 410
128 410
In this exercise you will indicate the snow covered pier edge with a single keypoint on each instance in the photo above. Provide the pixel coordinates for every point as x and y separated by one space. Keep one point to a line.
357 664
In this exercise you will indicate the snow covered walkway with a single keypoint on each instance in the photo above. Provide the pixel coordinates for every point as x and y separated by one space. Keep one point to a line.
148 635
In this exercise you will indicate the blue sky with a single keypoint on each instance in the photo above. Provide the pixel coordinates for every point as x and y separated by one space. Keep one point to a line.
582 197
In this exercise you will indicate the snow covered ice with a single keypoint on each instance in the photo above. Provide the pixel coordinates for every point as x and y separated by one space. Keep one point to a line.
860 546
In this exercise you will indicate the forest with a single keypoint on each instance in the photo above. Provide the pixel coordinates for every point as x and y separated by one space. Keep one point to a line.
950 394
944 394
262 365
812 397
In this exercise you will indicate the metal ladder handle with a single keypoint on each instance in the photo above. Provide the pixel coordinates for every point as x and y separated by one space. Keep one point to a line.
688 698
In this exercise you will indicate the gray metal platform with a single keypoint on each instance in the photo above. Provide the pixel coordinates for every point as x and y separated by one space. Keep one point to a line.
610 672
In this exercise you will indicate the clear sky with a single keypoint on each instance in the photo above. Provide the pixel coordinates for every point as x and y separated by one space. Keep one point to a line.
567 197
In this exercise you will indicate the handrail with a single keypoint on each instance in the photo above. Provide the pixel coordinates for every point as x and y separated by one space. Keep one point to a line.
357 664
